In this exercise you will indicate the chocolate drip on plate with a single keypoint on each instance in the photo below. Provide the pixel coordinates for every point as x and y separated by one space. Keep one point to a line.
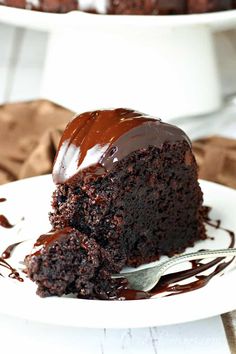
13 272
5 223
8 251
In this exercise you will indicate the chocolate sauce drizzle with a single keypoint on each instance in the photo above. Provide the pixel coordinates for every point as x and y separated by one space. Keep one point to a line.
13 272
168 282
9 250
47 239
4 222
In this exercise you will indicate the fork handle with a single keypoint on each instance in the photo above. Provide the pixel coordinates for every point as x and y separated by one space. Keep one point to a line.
195 256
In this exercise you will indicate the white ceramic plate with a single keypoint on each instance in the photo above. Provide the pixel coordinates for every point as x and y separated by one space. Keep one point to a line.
76 19
30 198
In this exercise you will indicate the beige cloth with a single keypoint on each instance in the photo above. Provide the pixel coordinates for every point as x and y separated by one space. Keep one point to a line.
29 136
216 157
30 132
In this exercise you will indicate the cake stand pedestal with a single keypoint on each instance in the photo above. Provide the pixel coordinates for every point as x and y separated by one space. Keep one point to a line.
168 72
162 65
166 66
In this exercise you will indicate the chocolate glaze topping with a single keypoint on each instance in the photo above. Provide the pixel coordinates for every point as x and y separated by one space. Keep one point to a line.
94 141
47 239
2 200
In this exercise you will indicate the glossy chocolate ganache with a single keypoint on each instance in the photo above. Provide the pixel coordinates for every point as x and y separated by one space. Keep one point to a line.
94 141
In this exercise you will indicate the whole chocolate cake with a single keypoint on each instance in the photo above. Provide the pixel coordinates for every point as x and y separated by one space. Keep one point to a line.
127 7
127 189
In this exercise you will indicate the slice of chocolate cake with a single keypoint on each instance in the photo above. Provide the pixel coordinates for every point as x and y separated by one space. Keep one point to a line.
127 182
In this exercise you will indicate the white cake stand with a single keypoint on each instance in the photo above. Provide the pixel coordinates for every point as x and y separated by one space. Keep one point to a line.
163 65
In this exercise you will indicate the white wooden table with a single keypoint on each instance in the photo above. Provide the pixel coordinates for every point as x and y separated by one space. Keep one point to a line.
21 64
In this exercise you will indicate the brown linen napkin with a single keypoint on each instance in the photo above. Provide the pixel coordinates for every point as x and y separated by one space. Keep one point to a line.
29 135
216 158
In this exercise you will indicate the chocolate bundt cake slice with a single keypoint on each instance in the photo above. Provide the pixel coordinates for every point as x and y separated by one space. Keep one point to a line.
127 182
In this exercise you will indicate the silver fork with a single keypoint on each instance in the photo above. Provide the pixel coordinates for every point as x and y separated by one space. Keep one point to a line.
146 279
